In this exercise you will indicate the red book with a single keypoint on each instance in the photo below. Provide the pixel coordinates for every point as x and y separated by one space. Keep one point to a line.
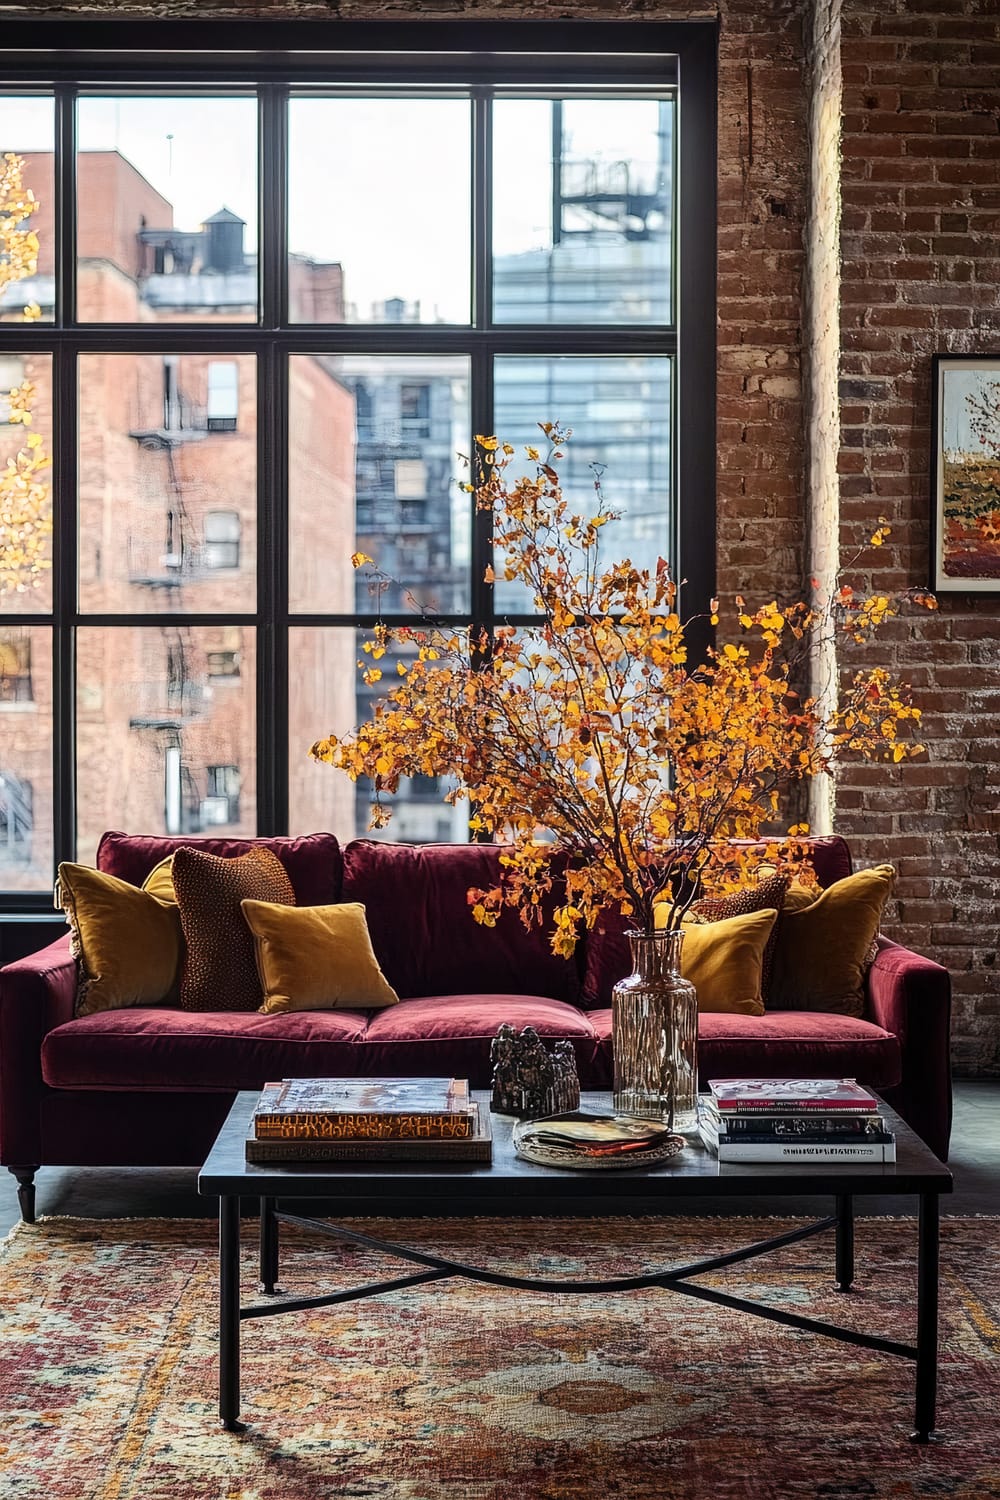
788 1095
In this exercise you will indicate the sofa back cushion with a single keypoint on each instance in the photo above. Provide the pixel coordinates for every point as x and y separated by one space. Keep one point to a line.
606 950
422 929
314 864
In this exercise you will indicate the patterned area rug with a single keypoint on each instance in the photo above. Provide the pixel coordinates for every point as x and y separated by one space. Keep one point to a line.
467 1392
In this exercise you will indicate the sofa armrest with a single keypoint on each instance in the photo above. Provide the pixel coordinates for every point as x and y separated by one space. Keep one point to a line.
910 996
36 994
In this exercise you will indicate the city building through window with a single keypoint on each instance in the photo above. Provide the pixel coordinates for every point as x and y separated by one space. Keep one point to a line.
251 377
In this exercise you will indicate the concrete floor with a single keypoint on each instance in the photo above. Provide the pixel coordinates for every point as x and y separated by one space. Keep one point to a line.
143 1192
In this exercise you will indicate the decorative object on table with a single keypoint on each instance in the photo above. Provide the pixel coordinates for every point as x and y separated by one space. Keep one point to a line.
529 1081
794 1120
654 1018
965 509
624 761
588 1141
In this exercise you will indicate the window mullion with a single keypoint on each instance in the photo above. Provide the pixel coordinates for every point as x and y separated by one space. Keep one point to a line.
272 198
65 551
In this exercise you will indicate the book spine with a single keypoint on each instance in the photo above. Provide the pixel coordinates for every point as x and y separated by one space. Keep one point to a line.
803 1138
781 1125
291 1153
329 1126
777 1106
879 1152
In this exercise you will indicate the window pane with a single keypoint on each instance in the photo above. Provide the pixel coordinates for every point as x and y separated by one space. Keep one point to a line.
582 210
25 758
168 494
165 740
328 696
379 210
27 209
619 411
374 469
25 484
167 206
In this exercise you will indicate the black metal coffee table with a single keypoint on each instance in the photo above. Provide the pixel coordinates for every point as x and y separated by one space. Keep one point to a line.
511 1188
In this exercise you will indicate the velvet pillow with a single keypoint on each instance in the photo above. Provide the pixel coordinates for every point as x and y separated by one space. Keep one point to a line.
160 880
723 960
127 943
316 958
219 970
824 948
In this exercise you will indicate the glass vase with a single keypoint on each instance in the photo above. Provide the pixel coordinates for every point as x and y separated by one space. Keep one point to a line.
654 1034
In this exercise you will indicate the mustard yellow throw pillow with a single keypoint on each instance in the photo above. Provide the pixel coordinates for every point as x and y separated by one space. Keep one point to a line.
316 958
823 949
160 881
127 943
724 961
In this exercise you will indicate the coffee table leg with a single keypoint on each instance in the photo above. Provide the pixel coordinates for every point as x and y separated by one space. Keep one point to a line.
229 1312
927 1319
845 1242
268 1245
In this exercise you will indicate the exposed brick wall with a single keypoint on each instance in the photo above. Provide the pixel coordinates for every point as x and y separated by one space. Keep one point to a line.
921 267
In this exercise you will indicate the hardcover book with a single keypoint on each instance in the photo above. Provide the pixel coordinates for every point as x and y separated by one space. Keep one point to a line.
777 1126
876 1152
303 1150
790 1095
714 1136
348 1109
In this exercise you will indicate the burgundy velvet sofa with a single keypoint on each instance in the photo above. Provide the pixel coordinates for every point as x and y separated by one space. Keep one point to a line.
151 1086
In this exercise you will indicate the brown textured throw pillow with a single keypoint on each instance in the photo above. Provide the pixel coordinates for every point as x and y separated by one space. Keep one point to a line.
220 971
767 893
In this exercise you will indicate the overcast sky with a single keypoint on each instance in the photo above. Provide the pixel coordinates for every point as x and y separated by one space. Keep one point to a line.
381 185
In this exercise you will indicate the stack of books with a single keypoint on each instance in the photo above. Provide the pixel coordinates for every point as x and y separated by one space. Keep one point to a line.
302 1120
794 1120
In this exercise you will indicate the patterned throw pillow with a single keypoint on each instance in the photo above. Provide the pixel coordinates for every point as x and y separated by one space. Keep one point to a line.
769 892
220 971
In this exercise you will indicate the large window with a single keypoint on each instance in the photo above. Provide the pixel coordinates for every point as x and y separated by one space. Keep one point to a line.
252 310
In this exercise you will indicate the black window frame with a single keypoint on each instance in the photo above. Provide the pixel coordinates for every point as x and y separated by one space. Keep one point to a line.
283 58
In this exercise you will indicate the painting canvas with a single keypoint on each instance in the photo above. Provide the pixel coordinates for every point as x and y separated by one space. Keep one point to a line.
966 477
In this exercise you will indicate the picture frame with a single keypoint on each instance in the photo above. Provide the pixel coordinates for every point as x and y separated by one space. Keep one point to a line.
965 474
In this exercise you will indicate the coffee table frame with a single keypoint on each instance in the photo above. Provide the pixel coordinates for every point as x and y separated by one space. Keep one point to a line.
512 1187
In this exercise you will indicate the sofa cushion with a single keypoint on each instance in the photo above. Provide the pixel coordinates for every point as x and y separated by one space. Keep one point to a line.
128 943
423 931
163 1048
783 1044
219 969
314 863
160 1048
316 958
825 949
452 1034
606 952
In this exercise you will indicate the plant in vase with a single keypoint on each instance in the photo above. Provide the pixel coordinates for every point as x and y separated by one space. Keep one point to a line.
616 769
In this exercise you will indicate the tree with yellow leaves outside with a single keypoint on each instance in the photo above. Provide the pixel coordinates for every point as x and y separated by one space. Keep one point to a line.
25 493
595 734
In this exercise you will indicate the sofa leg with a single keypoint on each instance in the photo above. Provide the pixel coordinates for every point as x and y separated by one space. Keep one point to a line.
25 1191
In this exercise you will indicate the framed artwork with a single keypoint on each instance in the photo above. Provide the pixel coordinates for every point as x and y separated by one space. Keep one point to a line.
965 479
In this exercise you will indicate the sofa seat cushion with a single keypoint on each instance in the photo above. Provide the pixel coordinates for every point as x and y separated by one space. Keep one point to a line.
785 1044
451 1035
163 1048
